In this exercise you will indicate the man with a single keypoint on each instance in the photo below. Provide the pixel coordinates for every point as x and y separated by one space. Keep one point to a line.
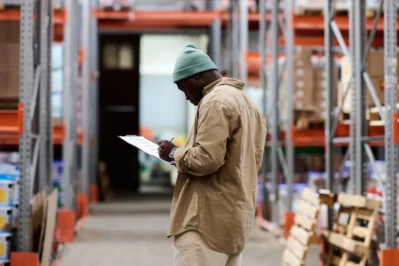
213 205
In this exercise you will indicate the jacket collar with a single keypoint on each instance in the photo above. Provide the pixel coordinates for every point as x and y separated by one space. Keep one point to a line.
211 86
224 81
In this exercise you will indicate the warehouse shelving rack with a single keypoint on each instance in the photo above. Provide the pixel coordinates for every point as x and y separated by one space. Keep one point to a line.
90 102
274 21
70 154
319 31
359 148
30 125
32 120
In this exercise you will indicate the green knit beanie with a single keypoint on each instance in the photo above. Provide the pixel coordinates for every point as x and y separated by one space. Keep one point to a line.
191 61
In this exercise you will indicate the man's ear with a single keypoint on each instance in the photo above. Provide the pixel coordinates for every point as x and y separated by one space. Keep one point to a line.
198 76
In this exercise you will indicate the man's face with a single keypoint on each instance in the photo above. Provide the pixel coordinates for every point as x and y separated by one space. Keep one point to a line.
192 88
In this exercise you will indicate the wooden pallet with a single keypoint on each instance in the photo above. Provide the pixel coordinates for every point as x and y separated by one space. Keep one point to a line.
303 233
374 115
305 123
307 119
350 241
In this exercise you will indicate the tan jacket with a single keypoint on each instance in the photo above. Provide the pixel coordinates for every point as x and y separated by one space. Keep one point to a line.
216 189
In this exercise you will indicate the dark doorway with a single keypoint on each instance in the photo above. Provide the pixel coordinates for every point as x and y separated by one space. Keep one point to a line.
119 107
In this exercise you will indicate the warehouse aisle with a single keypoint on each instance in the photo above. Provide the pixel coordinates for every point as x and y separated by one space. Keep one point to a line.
133 233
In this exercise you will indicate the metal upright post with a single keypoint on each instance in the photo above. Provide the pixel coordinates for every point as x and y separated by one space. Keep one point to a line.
45 131
391 147
243 39
275 111
263 84
331 97
230 37
71 73
87 100
289 68
330 89
235 35
262 52
26 86
216 39
94 94
359 100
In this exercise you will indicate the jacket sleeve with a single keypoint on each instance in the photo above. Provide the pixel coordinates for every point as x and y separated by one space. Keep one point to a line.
261 142
213 132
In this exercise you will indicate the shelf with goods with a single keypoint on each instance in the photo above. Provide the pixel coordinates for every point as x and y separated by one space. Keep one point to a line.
58 19
10 116
360 132
159 20
309 31
11 125
26 132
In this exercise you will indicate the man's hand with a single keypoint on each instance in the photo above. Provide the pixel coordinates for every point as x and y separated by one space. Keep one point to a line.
165 147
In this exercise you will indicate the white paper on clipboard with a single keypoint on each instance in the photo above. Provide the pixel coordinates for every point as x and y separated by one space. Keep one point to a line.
145 145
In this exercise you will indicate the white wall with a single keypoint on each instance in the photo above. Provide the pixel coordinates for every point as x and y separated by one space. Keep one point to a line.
163 107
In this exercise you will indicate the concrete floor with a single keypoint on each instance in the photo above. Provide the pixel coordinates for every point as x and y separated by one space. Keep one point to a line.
133 233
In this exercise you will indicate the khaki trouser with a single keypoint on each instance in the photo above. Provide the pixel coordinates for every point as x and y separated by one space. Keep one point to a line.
191 250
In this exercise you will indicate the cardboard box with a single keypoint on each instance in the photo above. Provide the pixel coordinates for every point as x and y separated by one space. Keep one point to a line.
303 57
303 82
303 95
375 63
378 84
303 89
319 74
375 69
9 56
9 60
9 84
320 95
10 31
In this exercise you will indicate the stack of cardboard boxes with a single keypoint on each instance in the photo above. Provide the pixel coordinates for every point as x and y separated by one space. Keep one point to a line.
303 80
375 69
318 5
320 93
310 97
303 85
9 60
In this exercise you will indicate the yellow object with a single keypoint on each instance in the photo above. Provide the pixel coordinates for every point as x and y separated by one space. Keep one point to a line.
3 221
3 196
2 250
180 141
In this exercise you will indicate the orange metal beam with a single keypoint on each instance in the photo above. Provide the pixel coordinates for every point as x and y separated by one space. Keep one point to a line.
11 125
15 14
10 14
396 128
254 61
309 30
11 121
316 137
317 23
162 20
158 18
